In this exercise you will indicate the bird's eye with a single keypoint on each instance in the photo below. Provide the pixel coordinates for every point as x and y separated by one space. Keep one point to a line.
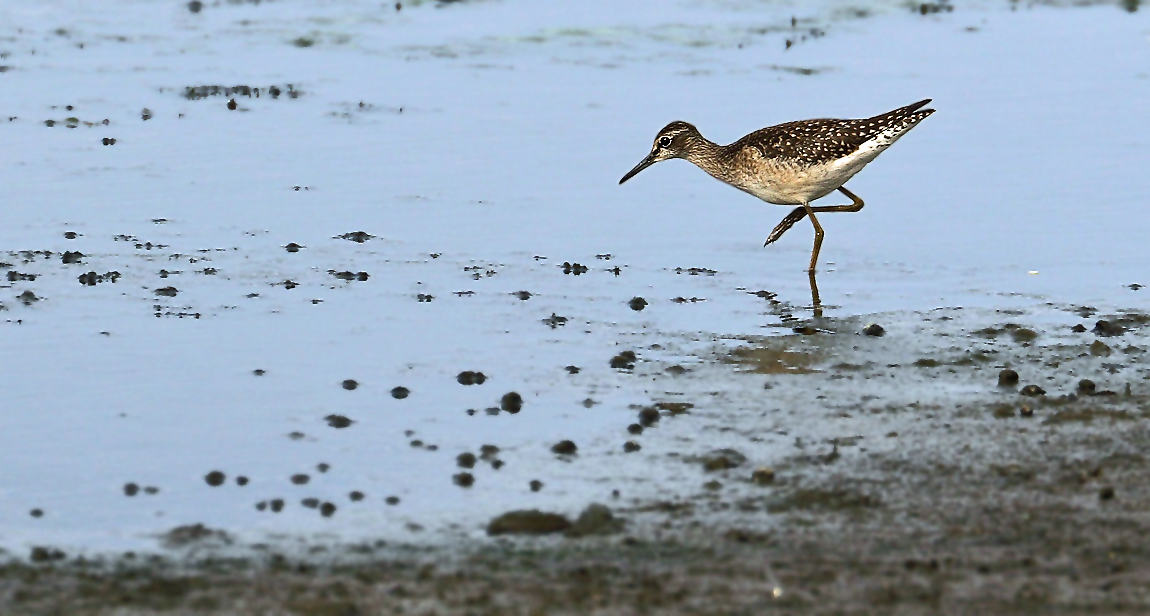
664 141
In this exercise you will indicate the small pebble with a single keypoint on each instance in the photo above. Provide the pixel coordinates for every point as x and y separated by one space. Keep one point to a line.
327 510
874 329
763 475
131 489
399 393
535 485
465 460
355 496
36 513
511 402
637 303
300 479
1086 386
1032 390
635 429
215 478
564 448
241 481
1106 493
631 447
350 384
1007 378
391 500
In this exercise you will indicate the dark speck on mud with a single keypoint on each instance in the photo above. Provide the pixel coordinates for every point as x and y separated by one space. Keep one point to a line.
648 416
572 369
564 448
511 402
242 481
355 496
463 480
874 329
300 479
399 393
467 377
631 447
293 247
215 478
350 384
338 421
131 489
535 485
637 303
1032 390
358 237
624 361
323 467
276 504
523 295
465 460
327 509
1007 378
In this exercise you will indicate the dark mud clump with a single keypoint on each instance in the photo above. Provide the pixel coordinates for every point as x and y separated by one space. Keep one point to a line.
399 393
131 489
874 329
463 480
242 481
596 519
631 447
637 303
1032 391
624 361
564 448
355 496
327 509
574 269
535 485
721 460
1007 378
554 321
511 402
358 237
1086 387
167 291
527 522
338 421
300 479
293 247
648 416
215 478
183 536
763 476
349 276
91 279
468 377
572 369
465 460
350 384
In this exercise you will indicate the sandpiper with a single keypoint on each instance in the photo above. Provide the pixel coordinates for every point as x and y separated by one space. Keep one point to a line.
792 163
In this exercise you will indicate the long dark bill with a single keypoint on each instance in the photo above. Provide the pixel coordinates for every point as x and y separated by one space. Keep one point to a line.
646 162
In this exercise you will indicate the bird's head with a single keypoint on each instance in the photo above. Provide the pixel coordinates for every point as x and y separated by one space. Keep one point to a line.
674 141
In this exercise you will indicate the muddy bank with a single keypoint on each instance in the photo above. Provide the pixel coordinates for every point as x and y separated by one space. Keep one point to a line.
927 474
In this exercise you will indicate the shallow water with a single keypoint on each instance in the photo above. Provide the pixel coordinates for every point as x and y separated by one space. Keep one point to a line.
492 135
